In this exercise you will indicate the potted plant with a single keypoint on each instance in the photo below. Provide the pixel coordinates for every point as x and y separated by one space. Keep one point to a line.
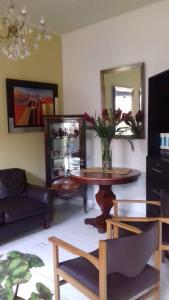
15 270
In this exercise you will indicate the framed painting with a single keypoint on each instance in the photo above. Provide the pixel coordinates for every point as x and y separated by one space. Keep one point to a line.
28 102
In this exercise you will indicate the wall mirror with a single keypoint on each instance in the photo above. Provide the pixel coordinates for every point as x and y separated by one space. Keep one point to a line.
123 88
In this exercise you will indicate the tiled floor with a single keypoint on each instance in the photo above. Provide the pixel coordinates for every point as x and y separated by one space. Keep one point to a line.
68 225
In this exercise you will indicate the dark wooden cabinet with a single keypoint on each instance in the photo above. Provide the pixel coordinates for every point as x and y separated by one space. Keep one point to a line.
157 178
65 150
157 167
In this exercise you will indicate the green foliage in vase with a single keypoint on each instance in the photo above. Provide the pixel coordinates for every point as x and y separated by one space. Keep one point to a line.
15 270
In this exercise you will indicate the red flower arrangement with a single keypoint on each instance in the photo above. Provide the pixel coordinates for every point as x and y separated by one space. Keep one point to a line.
106 124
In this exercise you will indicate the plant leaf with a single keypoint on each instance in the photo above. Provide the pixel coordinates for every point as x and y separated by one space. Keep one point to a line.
6 294
34 296
34 260
43 291
14 254
12 280
16 263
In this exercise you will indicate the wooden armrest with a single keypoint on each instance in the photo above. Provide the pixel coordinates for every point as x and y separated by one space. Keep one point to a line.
139 219
133 219
164 220
124 226
74 250
136 201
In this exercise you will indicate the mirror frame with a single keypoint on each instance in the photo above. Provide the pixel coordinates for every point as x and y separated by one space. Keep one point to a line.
120 69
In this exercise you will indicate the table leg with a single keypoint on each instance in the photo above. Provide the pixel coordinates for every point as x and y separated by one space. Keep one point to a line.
104 198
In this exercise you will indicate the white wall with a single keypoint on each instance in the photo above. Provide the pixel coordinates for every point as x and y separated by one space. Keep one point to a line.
139 36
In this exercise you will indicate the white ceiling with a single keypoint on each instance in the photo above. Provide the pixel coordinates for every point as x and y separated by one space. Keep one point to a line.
68 15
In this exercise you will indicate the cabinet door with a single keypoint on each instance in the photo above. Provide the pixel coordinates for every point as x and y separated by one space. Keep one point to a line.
157 179
65 146
153 193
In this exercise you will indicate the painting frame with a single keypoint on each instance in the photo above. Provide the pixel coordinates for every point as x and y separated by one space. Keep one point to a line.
28 102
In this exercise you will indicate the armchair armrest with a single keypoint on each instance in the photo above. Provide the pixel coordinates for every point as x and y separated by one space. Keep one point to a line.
135 219
116 223
122 201
40 193
43 195
164 220
74 250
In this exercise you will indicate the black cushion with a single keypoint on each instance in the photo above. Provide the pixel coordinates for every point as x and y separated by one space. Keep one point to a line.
119 287
2 220
164 198
12 182
16 208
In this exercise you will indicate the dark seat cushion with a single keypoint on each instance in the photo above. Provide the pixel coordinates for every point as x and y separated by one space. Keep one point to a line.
165 234
119 287
2 220
16 208
12 182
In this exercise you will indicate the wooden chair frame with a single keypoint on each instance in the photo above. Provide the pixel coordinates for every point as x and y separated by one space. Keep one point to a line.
100 264
119 218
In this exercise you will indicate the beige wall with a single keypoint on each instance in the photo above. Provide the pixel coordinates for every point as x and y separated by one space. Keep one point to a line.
26 150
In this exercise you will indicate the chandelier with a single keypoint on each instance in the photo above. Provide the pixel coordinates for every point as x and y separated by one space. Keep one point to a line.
17 36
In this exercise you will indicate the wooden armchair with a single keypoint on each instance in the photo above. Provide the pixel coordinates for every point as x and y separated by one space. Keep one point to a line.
118 270
131 225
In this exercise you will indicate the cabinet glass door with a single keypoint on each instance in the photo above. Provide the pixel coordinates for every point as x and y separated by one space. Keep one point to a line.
65 145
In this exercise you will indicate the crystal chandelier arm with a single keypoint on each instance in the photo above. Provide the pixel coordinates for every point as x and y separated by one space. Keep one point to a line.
12 4
4 24
17 35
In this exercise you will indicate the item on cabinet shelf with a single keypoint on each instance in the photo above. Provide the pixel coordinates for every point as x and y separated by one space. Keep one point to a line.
65 151
164 144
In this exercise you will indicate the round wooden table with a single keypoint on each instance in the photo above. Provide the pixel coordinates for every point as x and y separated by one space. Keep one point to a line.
104 196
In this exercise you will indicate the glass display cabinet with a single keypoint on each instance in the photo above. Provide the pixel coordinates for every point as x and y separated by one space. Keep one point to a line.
65 150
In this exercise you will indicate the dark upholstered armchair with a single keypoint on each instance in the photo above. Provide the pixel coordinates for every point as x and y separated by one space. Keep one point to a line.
118 270
23 206
141 223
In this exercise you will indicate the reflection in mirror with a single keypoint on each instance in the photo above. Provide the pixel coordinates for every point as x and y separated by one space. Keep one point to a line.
123 88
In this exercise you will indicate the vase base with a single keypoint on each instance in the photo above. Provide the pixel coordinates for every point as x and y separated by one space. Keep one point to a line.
106 165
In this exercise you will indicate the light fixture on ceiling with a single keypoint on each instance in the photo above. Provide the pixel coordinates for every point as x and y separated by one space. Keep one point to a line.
17 35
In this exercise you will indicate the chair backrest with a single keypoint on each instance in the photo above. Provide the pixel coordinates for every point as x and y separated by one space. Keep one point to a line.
129 255
12 182
164 200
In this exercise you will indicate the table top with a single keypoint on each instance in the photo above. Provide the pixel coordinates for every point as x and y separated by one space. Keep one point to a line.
97 177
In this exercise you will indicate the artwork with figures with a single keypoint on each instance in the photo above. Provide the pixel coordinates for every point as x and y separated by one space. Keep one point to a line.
28 103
